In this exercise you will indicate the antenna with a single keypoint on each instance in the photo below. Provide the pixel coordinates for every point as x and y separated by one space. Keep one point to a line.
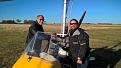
71 8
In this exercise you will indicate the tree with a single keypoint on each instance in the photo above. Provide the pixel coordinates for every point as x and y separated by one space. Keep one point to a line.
28 21
18 20
8 22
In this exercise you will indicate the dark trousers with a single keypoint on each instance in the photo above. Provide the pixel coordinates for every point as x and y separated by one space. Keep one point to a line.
68 63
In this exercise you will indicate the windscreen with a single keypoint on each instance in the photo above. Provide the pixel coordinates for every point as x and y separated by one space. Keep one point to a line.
39 43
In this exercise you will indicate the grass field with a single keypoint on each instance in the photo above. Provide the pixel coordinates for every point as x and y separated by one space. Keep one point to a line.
105 39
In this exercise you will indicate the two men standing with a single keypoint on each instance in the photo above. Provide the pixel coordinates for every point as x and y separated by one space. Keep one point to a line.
78 49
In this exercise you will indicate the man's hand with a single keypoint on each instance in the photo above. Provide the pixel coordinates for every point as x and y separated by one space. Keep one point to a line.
79 61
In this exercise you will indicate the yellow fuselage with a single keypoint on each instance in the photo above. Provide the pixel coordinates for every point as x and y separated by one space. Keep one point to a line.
35 62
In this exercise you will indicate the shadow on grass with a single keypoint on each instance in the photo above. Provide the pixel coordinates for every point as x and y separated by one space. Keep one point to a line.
106 57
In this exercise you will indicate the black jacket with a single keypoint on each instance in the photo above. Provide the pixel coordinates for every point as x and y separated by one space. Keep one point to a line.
33 29
78 44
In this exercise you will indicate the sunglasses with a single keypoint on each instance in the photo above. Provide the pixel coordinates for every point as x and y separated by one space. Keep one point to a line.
73 23
40 19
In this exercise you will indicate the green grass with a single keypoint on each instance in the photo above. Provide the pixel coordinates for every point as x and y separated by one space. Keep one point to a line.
106 43
107 47
12 44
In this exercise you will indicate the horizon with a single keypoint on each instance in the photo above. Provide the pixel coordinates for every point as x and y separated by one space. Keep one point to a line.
104 11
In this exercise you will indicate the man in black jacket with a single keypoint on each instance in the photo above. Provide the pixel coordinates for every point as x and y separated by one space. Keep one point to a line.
78 45
36 26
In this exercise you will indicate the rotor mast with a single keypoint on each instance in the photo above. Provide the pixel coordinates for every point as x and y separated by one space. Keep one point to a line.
64 17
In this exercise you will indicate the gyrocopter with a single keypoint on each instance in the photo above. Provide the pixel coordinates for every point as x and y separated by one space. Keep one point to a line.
37 53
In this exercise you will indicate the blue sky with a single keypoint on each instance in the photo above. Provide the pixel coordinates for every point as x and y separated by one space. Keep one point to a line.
98 11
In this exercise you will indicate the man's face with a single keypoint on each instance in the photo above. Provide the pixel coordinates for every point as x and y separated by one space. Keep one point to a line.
40 20
73 25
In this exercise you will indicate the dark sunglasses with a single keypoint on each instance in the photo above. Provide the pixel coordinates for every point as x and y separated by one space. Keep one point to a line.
73 23
40 19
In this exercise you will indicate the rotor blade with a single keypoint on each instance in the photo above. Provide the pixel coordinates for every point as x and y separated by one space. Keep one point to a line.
81 19
4 0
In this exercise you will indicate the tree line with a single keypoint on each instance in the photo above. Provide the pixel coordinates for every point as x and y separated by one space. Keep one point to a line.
17 21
